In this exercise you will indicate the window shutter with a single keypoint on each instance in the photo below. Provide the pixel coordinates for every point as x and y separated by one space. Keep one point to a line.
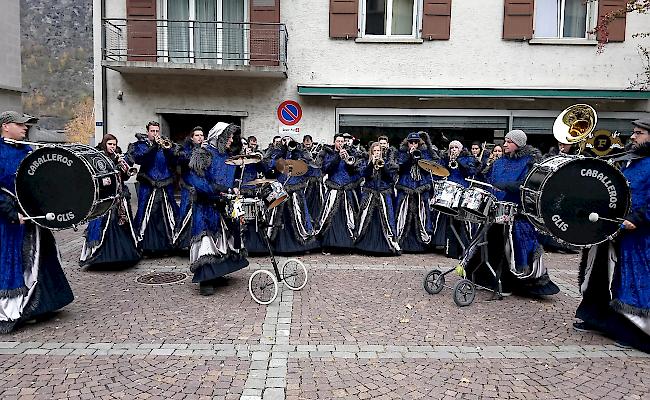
141 35
518 19
344 19
616 28
436 19
265 39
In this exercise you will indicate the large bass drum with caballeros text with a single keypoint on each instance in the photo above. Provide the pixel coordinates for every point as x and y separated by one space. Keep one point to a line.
579 201
71 182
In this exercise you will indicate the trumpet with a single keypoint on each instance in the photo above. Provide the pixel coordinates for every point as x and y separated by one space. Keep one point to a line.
163 142
453 163
125 167
348 159
379 163
292 144
416 154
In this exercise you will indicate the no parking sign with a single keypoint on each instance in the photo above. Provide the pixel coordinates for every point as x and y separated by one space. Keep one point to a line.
289 112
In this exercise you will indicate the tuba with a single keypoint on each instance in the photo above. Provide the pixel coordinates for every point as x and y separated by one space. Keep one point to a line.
575 124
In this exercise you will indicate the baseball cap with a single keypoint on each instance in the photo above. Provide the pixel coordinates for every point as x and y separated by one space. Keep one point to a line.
8 117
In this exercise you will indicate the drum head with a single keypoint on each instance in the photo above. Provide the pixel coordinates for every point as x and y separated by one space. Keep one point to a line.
54 180
577 189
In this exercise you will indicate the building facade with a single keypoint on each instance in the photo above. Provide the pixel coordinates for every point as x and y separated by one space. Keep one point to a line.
10 68
468 70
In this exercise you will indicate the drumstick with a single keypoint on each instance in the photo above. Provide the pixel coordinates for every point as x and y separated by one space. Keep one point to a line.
594 217
481 183
49 216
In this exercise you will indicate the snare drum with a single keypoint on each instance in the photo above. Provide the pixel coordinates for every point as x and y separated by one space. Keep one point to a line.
446 197
273 194
251 208
478 202
75 182
504 212
560 193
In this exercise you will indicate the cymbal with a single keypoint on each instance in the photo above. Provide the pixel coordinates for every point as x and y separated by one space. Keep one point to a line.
291 167
259 181
433 167
243 159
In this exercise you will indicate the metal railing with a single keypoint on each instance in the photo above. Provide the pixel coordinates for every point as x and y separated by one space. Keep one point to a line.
196 42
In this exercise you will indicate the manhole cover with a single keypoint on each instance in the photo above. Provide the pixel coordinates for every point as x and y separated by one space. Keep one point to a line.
161 278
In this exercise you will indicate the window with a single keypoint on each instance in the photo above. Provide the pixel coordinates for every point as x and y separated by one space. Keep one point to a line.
389 17
205 31
564 18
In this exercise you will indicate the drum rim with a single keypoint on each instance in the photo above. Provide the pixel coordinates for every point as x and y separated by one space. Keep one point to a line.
66 147
541 227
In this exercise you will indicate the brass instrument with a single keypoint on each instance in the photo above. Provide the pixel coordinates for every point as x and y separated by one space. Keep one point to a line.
292 144
349 158
453 163
575 124
379 163
163 142
416 154
125 167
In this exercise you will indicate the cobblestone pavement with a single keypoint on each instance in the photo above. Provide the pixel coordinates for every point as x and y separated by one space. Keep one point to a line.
362 328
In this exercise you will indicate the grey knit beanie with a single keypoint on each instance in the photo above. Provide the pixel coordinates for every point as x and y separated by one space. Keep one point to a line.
518 137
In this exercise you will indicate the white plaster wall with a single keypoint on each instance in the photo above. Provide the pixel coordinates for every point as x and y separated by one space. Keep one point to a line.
475 56
10 69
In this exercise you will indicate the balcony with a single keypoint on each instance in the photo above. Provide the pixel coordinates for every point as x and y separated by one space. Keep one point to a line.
146 46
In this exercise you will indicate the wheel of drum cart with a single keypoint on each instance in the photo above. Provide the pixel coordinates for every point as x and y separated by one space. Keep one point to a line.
263 287
434 281
294 274
464 292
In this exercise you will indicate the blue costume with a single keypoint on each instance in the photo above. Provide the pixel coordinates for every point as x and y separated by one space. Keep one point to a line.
253 230
182 235
414 223
110 239
467 166
216 248
155 220
337 221
376 227
622 268
526 271
32 282
291 227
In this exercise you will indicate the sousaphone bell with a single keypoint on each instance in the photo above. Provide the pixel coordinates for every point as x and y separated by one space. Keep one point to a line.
575 124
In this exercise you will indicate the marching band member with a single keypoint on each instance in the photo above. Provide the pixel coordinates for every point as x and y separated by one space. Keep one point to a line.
155 220
337 221
495 154
32 283
376 227
252 231
184 154
215 248
314 190
615 275
251 142
461 165
291 226
518 243
414 225
110 239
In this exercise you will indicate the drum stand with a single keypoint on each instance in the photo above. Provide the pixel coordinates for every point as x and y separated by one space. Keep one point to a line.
464 291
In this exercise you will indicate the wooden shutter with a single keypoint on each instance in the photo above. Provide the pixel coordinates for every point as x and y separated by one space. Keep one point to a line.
265 39
436 19
518 19
616 28
344 19
141 35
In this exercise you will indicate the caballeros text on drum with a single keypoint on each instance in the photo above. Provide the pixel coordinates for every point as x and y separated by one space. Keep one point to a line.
611 189
47 158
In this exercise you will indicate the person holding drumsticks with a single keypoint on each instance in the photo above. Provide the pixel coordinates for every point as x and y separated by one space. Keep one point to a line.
618 305
32 283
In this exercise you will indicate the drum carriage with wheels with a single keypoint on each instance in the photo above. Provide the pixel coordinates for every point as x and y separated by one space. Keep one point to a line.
262 284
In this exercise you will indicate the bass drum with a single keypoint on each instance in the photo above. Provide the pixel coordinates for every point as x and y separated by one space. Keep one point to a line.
75 182
560 193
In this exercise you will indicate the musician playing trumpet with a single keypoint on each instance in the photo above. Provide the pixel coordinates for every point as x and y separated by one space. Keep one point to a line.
157 215
414 223
110 238
376 226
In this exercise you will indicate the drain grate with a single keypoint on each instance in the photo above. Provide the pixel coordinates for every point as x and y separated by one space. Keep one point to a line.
161 278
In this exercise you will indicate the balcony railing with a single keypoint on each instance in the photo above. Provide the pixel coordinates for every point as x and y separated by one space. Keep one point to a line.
196 44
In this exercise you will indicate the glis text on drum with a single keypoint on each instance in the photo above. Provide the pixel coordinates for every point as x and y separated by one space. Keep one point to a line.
65 217
47 158
611 189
